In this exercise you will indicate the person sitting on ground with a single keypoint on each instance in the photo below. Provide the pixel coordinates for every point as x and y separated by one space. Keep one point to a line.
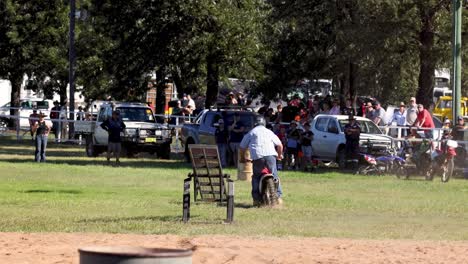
114 126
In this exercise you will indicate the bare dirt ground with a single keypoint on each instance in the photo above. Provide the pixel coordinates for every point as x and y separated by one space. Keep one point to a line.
62 248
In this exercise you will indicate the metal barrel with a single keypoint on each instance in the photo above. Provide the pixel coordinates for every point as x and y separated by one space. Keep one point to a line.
134 255
244 169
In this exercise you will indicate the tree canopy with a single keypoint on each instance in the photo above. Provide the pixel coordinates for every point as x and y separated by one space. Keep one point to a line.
382 48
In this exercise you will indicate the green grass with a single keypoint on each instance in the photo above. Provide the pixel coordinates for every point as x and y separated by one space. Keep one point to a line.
73 193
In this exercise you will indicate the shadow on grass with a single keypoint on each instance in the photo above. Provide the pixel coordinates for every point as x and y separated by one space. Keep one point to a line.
50 152
194 219
102 162
52 191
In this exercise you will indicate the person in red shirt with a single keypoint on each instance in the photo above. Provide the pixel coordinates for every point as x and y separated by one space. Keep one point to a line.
424 120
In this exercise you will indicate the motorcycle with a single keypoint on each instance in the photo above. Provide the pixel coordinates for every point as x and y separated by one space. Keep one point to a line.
443 161
369 166
268 189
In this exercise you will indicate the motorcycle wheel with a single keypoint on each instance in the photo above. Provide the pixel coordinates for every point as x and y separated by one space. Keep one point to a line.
362 170
429 174
447 170
401 172
270 195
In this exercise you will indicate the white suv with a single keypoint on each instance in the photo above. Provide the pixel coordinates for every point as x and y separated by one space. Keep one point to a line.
329 139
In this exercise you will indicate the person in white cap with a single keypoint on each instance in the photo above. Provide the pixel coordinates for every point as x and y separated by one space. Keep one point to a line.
411 112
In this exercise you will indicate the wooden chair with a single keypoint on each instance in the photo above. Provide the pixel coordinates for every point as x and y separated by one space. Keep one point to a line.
208 178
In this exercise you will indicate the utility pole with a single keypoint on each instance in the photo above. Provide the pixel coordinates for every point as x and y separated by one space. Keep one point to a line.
71 72
456 47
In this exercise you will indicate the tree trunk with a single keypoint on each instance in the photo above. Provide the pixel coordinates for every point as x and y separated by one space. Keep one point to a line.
427 62
352 81
212 82
16 80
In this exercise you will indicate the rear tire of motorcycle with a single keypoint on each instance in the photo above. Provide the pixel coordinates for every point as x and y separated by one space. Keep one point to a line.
362 170
447 171
270 195
401 172
429 175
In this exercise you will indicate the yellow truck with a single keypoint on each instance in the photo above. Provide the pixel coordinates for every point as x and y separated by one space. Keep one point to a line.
443 107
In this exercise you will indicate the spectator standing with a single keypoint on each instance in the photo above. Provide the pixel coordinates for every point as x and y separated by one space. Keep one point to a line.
241 99
293 137
370 112
424 120
399 117
306 145
278 117
237 130
352 132
325 108
411 112
335 110
33 118
221 136
282 135
80 116
348 108
54 115
41 129
265 148
457 132
379 114
114 126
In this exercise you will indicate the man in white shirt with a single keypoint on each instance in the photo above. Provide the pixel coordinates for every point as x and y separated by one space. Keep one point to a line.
265 148
411 112
399 117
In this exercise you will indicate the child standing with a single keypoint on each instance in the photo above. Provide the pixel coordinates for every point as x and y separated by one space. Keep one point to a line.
306 143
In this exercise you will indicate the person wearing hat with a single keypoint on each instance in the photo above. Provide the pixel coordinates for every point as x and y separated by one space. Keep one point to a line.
114 126
411 112
41 129
399 117
33 118
54 115
221 137
352 132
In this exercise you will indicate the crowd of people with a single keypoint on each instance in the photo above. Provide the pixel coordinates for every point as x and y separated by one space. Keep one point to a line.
291 123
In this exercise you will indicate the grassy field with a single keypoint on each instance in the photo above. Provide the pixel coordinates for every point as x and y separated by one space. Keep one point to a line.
73 193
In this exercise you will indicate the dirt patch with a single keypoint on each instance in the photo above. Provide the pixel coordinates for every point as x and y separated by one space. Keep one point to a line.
62 248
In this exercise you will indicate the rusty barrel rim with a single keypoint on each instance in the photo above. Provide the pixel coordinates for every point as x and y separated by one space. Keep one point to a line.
136 252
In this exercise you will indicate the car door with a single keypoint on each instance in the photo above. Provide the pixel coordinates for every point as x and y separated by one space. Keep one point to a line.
333 139
101 136
207 128
320 136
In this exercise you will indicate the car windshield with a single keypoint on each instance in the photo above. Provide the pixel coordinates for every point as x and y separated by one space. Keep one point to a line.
245 117
138 114
367 126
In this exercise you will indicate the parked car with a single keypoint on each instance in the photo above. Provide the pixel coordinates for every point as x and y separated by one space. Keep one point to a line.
202 130
142 133
329 138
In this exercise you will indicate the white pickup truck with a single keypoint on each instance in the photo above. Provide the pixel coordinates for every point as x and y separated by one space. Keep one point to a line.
329 138
142 132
